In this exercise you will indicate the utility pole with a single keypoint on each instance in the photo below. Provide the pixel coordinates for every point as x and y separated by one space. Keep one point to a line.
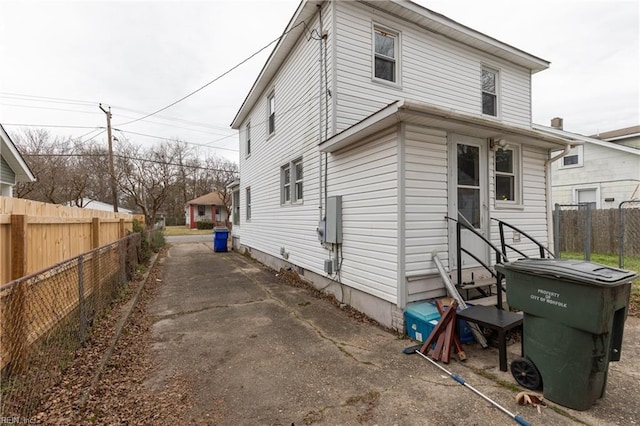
114 193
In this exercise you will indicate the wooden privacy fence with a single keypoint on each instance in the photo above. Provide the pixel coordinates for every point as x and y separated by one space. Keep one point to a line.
35 235
604 230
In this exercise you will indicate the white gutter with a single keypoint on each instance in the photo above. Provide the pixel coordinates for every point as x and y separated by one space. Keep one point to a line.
547 169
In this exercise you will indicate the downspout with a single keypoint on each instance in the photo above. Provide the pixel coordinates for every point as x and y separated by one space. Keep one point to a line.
547 170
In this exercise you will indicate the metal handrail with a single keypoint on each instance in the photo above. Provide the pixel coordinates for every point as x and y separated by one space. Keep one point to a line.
504 245
459 250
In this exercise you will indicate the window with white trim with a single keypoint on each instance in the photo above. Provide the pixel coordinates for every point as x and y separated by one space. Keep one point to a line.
489 80
385 55
508 174
575 158
248 134
271 113
286 184
291 182
248 204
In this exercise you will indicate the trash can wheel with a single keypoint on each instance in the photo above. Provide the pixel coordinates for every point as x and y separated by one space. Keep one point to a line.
526 373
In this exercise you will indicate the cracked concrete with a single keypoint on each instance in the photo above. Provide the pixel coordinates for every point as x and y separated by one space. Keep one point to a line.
257 351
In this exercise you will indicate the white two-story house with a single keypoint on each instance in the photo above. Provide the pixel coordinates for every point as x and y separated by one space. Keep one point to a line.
368 126
603 170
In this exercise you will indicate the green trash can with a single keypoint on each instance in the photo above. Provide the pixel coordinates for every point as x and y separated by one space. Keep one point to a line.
574 314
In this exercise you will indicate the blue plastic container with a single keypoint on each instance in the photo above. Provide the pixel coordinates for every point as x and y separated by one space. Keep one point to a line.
220 236
422 317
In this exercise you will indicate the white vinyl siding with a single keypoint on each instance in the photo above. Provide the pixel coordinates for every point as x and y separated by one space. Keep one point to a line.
434 70
531 216
367 179
614 172
272 225
425 196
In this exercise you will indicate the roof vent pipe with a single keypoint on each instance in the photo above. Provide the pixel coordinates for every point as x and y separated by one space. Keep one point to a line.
556 123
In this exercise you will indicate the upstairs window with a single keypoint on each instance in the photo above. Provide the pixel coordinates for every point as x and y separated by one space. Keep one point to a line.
489 92
575 158
507 176
248 131
271 113
385 55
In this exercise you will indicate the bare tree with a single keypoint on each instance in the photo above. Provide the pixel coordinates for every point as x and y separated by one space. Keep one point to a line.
146 176
222 172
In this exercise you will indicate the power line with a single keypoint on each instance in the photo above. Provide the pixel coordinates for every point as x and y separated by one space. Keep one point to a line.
48 99
50 108
48 125
205 145
167 163
214 80
34 98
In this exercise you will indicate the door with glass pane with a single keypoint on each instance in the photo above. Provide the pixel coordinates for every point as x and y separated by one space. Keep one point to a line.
468 196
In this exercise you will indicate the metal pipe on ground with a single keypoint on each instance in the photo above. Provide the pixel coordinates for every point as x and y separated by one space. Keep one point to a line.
461 381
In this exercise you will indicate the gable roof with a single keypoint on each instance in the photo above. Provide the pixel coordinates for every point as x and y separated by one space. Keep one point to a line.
210 199
403 9
13 158
582 140
615 135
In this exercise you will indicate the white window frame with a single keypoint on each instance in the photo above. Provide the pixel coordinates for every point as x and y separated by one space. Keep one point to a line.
516 173
496 93
576 197
271 113
247 201
285 187
577 151
289 190
235 196
396 52
248 138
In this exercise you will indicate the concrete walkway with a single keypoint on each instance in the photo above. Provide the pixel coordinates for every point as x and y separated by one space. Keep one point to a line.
257 351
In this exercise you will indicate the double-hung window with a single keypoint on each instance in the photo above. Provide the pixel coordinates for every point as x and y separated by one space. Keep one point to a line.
271 113
291 178
385 62
507 176
248 203
248 132
489 80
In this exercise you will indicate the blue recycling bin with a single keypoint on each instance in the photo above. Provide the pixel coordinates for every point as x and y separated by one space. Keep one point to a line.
220 236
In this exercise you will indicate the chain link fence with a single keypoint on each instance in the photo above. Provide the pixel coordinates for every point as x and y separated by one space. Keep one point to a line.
45 317
580 228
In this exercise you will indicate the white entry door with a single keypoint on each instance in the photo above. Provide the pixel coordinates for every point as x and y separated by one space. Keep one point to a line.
468 197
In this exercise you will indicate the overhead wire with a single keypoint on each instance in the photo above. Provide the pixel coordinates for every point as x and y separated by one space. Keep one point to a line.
215 79
106 154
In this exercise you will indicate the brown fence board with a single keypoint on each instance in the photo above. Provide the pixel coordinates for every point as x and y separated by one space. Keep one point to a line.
55 232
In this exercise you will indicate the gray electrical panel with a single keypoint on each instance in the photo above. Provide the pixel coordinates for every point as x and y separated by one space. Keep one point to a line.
333 226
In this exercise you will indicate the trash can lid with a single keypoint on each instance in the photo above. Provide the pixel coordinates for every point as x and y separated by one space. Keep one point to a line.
220 229
579 271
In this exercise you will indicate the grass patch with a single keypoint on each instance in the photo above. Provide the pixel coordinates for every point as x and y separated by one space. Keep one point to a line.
630 263
172 231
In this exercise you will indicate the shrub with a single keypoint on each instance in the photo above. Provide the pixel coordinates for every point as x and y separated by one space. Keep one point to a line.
204 224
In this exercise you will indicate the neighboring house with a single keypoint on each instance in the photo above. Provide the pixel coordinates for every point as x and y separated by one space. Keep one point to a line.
88 203
371 122
600 172
13 168
210 207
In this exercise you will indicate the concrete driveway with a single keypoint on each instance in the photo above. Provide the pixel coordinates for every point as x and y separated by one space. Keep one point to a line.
256 350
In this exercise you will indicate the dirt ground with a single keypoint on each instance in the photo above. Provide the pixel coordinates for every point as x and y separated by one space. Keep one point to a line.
218 339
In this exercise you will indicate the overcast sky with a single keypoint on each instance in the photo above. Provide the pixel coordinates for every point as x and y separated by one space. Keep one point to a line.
138 57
